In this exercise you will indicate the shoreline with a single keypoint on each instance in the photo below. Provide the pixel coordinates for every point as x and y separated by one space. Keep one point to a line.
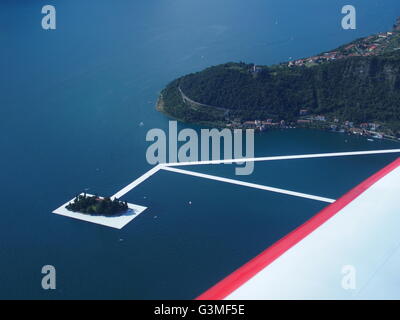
285 108
160 106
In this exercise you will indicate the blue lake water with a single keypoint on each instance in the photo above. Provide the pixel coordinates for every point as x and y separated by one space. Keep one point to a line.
71 104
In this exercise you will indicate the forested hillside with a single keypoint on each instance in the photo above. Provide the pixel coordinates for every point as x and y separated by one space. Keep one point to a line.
358 89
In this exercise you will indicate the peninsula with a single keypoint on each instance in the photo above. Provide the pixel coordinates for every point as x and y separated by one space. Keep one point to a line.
354 88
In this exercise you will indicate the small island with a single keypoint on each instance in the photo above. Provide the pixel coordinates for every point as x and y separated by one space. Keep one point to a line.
94 205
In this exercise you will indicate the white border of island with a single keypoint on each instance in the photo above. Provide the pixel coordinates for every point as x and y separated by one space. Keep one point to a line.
117 222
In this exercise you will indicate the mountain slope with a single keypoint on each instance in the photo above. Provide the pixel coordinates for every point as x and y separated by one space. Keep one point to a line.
364 88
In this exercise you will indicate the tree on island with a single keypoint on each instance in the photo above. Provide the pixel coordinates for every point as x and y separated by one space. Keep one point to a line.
94 205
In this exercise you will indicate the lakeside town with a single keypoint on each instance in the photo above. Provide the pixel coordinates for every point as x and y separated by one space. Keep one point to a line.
371 46
370 130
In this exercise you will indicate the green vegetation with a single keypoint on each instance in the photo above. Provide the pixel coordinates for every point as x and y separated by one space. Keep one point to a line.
173 105
94 205
364 88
